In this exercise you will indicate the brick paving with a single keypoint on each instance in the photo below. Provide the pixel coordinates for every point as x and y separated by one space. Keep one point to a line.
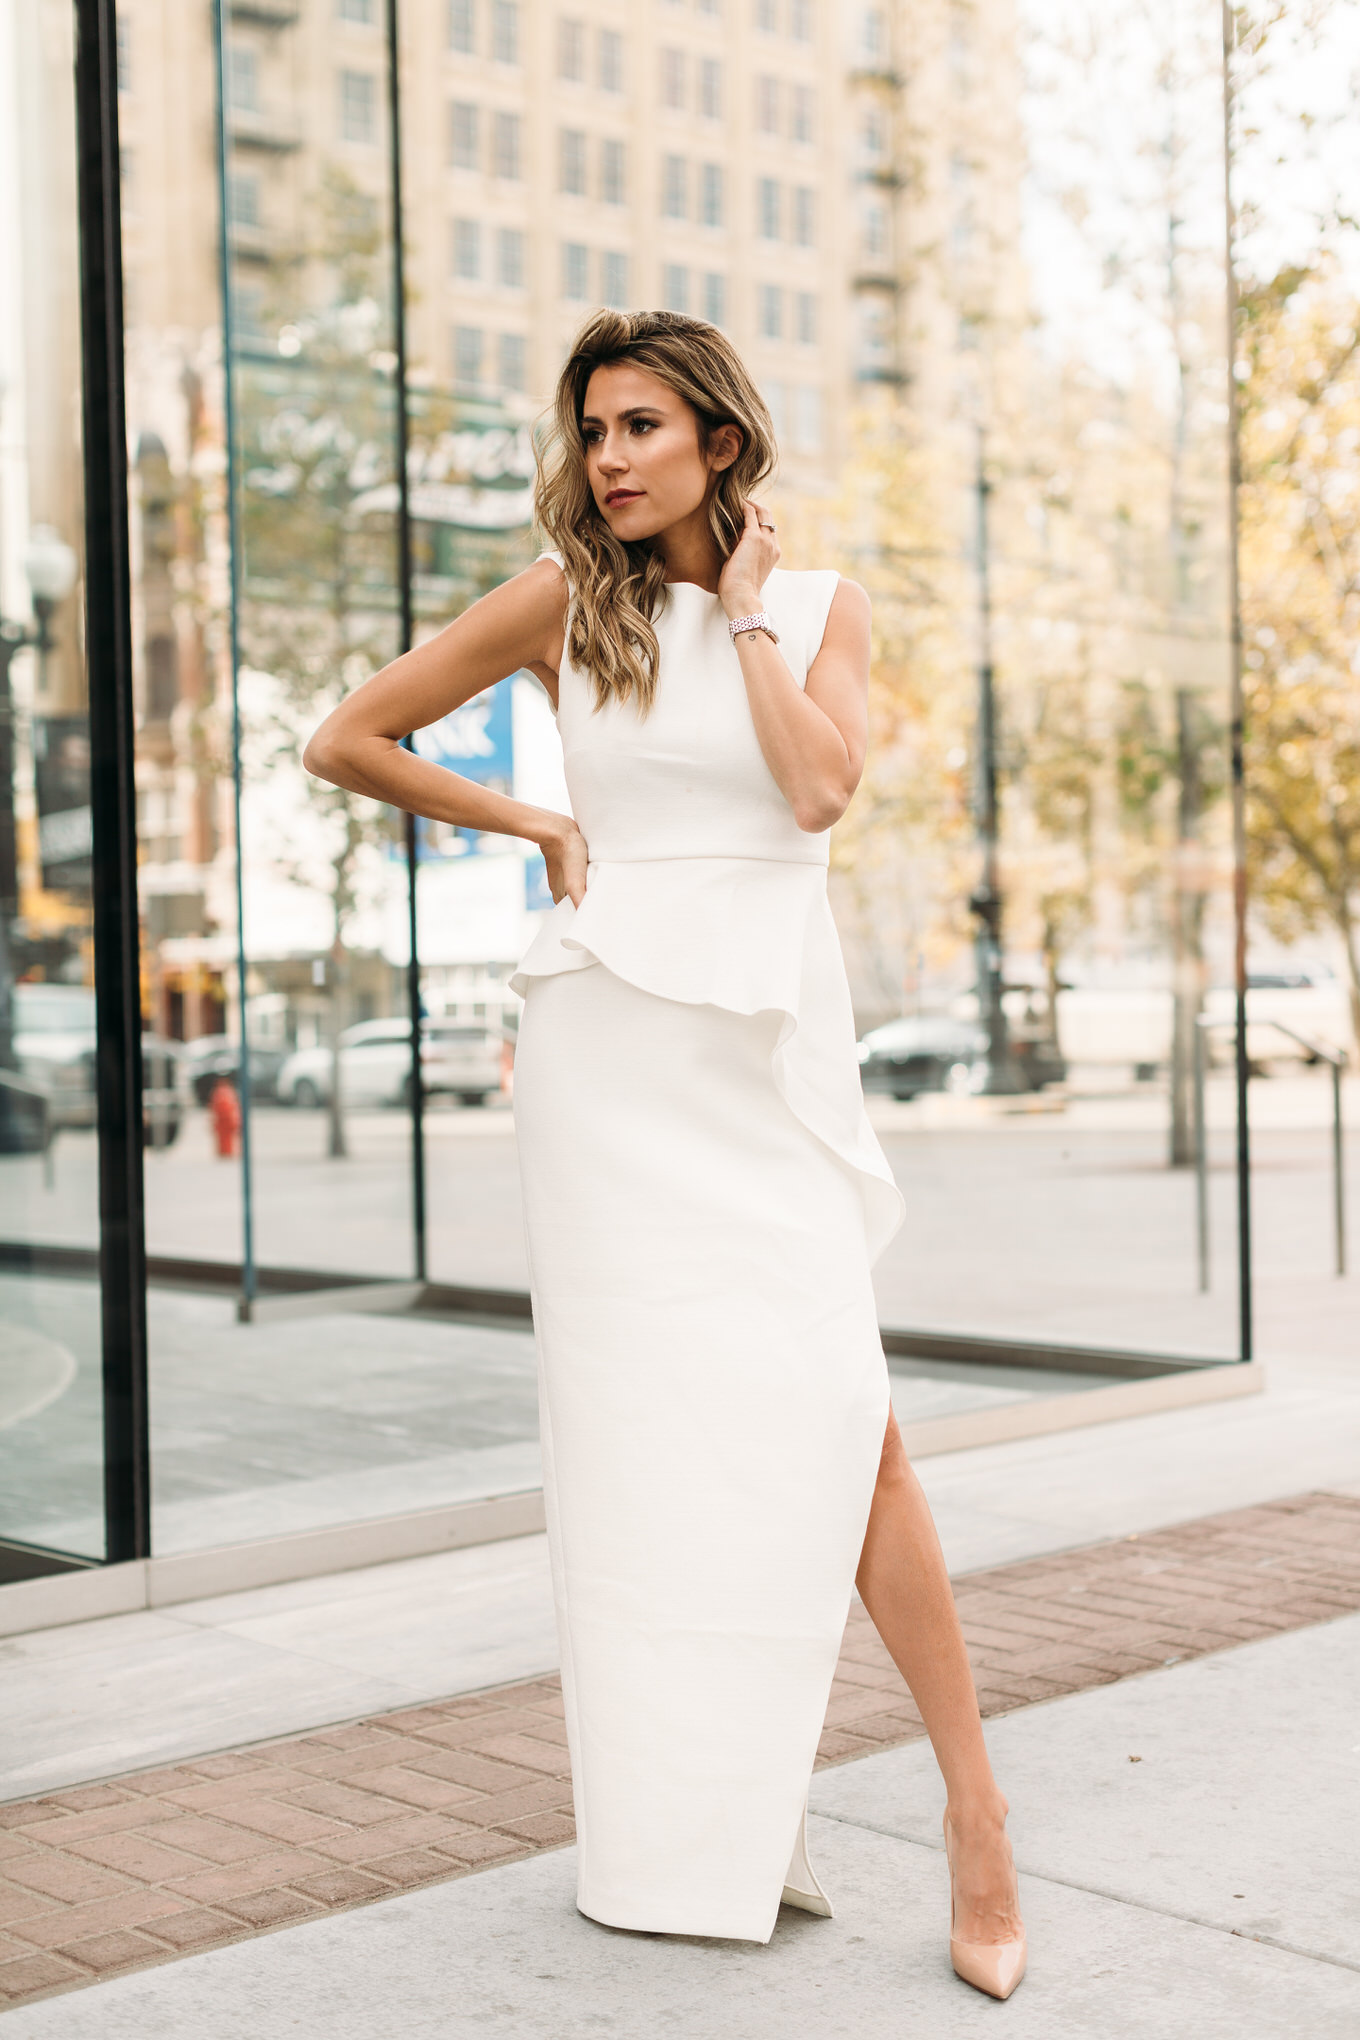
115 1876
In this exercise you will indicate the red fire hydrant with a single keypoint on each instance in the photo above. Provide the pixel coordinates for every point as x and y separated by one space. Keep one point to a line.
225 1108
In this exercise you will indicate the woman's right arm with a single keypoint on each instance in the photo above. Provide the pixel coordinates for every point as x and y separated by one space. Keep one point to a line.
359 746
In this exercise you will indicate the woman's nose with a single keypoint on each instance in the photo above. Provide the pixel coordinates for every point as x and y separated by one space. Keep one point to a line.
611 458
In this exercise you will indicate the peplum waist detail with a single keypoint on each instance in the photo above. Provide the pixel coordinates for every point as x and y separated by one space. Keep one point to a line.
750 935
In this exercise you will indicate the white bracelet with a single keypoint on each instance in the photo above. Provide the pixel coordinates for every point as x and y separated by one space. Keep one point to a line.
760 620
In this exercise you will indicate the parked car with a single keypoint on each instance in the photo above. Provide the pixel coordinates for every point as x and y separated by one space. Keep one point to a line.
930 1052
54 1046
461 1059
25 1117
219 1055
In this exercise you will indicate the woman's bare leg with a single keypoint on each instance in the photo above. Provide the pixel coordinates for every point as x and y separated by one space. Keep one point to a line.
903 1584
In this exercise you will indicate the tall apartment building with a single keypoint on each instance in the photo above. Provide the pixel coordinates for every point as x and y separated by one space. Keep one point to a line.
833 184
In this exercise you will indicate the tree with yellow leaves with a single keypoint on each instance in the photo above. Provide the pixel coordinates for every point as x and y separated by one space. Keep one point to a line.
1300 542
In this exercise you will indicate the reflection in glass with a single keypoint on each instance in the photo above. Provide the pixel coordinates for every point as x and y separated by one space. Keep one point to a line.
51 1422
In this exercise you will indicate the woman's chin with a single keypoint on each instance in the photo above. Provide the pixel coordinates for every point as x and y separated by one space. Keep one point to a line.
630 526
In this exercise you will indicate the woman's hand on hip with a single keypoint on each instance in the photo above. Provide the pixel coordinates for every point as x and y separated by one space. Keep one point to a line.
755 554
566 856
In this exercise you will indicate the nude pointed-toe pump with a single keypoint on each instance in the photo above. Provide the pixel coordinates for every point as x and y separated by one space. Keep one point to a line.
995 1967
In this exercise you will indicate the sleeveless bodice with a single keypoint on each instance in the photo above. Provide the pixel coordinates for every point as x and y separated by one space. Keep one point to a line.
689 779
700 885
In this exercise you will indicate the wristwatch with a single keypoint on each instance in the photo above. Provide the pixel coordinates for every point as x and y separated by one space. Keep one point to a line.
759 620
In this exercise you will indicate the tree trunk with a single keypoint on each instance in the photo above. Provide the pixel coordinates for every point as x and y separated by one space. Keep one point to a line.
1187 939
337 1146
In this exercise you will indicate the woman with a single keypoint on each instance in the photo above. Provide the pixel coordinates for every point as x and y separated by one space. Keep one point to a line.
703 1194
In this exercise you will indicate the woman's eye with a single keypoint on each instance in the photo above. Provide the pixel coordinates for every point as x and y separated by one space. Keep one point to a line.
644 425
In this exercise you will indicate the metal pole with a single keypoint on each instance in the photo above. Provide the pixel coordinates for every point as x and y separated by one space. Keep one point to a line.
1201 1163
233 480
113 795
1237 718
1338 1169
1002 1076
419 1221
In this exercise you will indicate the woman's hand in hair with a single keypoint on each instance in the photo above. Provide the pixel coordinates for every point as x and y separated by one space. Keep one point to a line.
754 555
565 855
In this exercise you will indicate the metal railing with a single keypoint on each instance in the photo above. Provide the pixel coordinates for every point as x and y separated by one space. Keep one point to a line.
1336 1059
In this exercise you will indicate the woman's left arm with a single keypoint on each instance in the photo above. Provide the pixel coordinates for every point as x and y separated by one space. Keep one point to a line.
813 738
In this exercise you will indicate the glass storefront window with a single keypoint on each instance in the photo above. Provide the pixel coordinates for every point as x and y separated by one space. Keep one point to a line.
1008 417
51 1417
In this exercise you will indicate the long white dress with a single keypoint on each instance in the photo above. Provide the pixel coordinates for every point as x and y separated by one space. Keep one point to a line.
703 1199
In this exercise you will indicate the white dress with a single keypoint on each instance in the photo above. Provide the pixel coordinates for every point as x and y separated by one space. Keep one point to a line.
703 1198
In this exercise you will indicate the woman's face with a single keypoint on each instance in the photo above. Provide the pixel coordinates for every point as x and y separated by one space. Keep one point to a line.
647 470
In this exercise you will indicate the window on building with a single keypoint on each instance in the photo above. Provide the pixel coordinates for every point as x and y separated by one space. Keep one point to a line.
505 31
123 54
767 208
805 318
512 361
674 187
613 172
709 6
505 145
875 335
960 49
803 125
575 271
715 298
672 77
800 20
243 199
611 60
675 287
767 16
767 105
357 10
510 258
710 88
614 279
358 106
712 207
873 35
467 249
571 161
462 28
804 216
468 343
571 48
770 311
806 420
463 135
243 78
872 136
776 397
874 230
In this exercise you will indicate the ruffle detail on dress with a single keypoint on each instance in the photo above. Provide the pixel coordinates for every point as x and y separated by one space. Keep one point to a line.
750 935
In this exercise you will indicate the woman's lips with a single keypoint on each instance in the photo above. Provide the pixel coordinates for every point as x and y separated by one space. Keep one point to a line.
617 496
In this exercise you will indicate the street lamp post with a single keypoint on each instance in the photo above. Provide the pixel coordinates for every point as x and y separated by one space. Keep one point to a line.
1003 1078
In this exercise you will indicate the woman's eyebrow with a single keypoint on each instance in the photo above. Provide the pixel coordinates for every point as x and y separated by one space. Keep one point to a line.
638 411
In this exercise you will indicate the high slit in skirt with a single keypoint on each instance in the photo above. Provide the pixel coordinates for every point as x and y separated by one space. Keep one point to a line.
713 1401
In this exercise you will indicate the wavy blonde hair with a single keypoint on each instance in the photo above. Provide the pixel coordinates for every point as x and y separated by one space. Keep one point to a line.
617 588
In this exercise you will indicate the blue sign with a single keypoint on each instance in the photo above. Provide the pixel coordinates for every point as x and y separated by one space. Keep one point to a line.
537 892
477 741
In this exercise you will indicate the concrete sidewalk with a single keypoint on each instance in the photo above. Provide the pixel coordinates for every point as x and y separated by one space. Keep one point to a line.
96 1698
1208 1890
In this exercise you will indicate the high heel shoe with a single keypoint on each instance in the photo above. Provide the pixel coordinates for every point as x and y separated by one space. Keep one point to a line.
995 1967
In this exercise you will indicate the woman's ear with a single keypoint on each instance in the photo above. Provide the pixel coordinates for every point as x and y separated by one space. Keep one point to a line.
724 447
